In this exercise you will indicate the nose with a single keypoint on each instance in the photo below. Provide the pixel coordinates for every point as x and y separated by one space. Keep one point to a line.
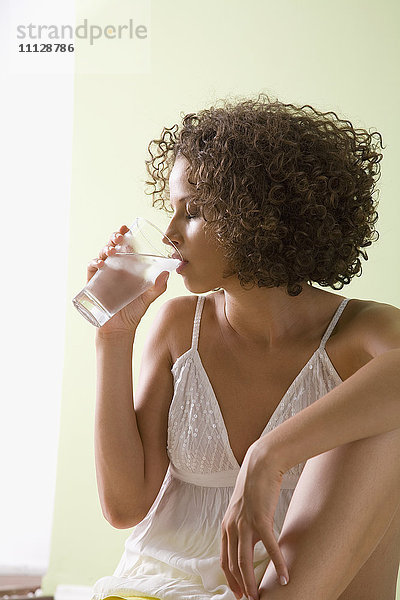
171 238
166 240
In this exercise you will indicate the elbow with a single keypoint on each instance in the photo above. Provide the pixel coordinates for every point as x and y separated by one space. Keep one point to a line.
123 520
123 515
120 523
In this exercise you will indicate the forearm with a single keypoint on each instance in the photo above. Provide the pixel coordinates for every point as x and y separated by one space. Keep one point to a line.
118 446
365 405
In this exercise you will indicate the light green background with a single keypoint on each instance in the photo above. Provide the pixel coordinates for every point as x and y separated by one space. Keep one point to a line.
340 56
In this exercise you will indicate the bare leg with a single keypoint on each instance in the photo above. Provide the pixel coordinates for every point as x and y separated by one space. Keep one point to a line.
344 504
377 578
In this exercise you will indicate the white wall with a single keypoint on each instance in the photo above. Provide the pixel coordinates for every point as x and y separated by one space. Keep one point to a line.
36 111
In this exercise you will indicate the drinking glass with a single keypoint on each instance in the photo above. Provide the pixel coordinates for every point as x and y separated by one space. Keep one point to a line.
140 258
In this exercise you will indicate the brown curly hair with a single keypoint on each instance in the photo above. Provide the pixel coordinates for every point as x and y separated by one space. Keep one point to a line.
287 192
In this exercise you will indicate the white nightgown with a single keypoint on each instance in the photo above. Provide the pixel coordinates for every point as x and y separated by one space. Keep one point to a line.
174 553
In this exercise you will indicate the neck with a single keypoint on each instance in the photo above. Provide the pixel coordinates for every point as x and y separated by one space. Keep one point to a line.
269 317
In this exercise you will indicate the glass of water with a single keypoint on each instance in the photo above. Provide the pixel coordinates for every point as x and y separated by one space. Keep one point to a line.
140 258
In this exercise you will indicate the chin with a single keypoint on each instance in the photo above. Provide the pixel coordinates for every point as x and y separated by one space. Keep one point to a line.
196 289
199 287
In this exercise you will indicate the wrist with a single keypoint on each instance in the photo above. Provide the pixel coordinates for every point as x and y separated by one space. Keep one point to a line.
115 337
272 448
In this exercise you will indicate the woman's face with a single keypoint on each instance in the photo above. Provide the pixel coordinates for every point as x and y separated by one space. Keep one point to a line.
205 258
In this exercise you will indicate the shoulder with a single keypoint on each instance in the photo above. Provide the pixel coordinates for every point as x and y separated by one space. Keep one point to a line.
180 307
177 318
376 326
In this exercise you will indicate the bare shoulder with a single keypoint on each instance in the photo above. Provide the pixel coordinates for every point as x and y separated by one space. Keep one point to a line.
178 317
376 326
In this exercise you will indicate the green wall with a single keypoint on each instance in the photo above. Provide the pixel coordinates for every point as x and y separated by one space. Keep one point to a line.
340 56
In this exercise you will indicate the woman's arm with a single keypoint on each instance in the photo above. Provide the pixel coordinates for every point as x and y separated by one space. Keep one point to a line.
366 404
131 435
118 448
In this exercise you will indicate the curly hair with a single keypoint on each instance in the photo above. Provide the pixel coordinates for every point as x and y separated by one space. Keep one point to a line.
286 192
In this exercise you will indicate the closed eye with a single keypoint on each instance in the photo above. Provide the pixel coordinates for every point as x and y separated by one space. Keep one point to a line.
188 215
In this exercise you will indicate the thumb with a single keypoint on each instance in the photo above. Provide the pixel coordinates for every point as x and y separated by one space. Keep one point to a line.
158 288
160 284
162 278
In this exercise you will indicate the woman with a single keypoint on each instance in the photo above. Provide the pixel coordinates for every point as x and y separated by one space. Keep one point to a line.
265 393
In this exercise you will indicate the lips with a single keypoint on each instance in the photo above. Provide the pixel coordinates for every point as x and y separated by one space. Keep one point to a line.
180 268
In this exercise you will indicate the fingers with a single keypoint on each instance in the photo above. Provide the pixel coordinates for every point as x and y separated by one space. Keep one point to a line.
237 562
227 567
108 250
272 547
240 571
245 561
115 239
95 264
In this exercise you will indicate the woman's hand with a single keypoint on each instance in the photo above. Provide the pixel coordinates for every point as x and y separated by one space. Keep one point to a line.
249 518
128 318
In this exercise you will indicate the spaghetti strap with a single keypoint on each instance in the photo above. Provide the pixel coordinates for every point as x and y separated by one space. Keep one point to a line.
333 322
196 324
